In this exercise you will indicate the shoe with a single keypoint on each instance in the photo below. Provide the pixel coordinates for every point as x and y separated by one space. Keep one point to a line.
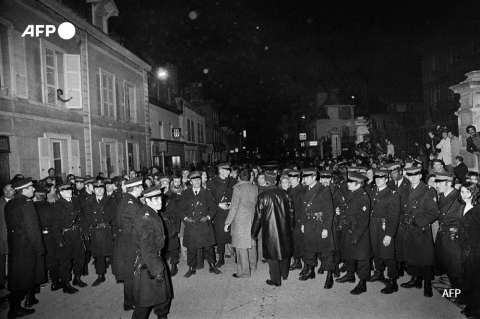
56 285
310 274
214 270
162 317
174 270
30 299
415 282
344 267
221 261
321 270
68 289
377 276
128 307
304 270
297 264
16 311
77 281
360 288
329 280
427 288
191 271
392 287
349 277
99 280
336 272
271 283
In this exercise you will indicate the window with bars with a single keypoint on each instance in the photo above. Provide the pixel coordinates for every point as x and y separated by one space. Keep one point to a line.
107 91
129 102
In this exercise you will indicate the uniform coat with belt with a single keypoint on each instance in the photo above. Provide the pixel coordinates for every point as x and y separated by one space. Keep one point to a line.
340 194
298 237
355 226
416 241
199 234
26 264
385 214
45 212
316 214
171 220
403 190
102 222
125 254
222 190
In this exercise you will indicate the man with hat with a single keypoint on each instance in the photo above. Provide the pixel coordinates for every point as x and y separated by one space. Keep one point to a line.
172 222
79 185
295 191
275 214
416 235
151 284
197 209
401 185
26 264
385 214
68 229
45 212
447 249
124 255
85 195
316 217
101 221
222 189
356 245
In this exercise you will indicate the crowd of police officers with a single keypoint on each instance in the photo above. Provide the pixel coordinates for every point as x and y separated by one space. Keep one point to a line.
344 220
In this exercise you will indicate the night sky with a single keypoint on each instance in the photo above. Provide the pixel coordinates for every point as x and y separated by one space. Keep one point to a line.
265 60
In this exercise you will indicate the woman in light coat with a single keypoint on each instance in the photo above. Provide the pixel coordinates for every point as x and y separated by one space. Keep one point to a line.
445 151
240 217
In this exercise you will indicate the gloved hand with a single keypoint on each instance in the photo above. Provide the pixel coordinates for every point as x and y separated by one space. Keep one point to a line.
254 237
204 219
114 237
173 234
160 277
353 241
61 245
189 220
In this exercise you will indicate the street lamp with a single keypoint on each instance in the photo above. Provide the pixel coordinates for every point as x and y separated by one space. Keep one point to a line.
303 116
162 73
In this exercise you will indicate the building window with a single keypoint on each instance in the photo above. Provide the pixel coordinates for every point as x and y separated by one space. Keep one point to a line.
199 132
20 65
107 94
344 113
129 102
57 156
160 125
437 95
5 71
170 126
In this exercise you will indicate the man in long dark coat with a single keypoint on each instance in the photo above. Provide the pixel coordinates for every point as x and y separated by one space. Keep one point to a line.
356 245
316 215
274 213
151 284
222 189
124 256
85 195
420 212
385 214
197 209
101 220
26 264
295 192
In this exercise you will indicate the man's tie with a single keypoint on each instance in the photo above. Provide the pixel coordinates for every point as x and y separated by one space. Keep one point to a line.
196 192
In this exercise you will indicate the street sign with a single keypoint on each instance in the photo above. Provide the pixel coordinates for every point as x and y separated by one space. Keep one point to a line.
176 132
303 136
162 146
312 143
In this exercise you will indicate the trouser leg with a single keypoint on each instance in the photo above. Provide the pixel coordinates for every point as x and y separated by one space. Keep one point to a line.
192 257
3 270
243 267
310 259
252 258
210 254
392 268
100 265
351 266
274 270
174 256
363 269
65 270
141 312
79 256
337 257
327 261
128 292
221 249
284 267
17 296
54 272
163 308
379 264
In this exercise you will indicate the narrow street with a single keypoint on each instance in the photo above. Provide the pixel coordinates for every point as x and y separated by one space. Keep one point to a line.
208 296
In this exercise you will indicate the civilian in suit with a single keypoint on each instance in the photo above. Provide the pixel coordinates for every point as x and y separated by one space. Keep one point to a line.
460 169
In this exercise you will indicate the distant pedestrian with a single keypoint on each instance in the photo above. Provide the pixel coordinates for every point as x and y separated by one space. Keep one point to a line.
454 145
445 152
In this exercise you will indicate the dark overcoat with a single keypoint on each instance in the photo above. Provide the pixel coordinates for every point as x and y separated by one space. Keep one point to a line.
45 213
470 244
355 226
274 213
102 222
316 214
384 219
26 264
3 227
199 234
296 195
222 190
403 190
417 241
124 256
149 239
171 220
340 194
447 250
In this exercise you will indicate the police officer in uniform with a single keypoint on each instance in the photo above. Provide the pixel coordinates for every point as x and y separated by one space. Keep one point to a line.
171 220
68 228
45 212
222 189
26 264
197 208
420 212
447 249
316 217
100 216
295 192
151 284
385 214
125 255
85 195
356 245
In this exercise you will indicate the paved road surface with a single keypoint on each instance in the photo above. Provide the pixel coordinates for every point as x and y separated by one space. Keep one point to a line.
208 296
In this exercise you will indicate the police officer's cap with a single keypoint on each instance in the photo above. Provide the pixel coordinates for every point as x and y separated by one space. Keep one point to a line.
380 174
411 171
40 190
70 176
393 166
23 183
356 177
311 171
185 169
65 186
362 169
152 192
293 173
352 169
195 174
137 181
150 177
443 177
79 179
89 181
99 183
224 166
326 174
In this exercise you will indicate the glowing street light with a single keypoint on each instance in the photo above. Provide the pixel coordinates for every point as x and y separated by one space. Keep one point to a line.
162 73
303 116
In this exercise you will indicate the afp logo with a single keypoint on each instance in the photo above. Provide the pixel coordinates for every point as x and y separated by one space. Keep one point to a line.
451 293
66 30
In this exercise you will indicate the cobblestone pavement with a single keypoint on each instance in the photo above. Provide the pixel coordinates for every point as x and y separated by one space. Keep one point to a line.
208 296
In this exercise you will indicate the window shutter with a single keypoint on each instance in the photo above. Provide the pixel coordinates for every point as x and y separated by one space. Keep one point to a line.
121 162
73 84
75 157
103 157
51 86
20 62
44 156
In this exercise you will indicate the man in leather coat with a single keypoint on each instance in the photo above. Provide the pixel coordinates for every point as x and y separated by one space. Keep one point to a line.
295 192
